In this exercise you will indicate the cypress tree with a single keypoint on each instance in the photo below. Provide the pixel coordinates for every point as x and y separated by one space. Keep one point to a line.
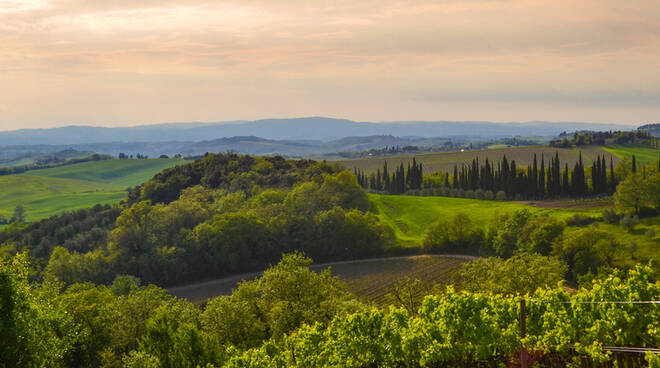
535 178
541 187
612 178
594 175
565 185
379 182
634 164
386 179
556 173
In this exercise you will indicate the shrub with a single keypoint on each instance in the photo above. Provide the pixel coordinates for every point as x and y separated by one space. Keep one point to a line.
500 196
456 236
610 216
650 233
580 220
427 192
489 195
628 222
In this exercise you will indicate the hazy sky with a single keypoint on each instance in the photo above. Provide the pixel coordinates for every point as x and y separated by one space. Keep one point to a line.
124 62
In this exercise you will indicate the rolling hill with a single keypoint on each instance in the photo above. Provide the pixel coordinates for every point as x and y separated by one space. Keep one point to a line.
47 192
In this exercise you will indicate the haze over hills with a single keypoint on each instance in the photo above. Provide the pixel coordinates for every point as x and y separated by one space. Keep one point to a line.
309 128
25 154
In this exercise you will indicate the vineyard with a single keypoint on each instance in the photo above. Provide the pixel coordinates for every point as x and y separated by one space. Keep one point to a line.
615 322
369 279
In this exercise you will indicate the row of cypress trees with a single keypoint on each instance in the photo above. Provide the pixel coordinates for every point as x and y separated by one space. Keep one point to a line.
398 182
534 182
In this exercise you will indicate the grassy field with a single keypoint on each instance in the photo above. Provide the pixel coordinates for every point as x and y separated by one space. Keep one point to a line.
121 173
411 216
445 161
643 154
47 192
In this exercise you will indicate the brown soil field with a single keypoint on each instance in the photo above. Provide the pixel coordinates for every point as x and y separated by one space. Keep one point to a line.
445 161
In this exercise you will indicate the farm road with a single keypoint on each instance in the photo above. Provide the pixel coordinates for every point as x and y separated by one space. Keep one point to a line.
223 286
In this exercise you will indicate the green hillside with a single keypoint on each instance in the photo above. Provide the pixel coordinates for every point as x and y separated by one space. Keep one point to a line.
410 216
644 155
47 192
123 173
43 197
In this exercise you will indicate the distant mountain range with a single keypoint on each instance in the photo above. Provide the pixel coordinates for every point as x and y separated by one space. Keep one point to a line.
24 154
298 129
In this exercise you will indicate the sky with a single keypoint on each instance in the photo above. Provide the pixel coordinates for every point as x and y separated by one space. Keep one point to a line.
129 62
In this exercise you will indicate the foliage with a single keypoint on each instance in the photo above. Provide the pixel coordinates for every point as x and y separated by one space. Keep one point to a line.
584 250
460 329
285 297
610 216
243 213
455 236
294 317
504 231
521 274
628 222
631 194
34 333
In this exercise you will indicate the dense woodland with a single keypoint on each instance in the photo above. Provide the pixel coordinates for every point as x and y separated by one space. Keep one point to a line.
217 216
74 294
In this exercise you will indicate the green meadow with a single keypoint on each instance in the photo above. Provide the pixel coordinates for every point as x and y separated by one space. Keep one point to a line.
643 154
120 173
411 216
48 192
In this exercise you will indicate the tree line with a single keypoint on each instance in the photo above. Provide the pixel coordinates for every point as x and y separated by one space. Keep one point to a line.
537 181
584 138
400 181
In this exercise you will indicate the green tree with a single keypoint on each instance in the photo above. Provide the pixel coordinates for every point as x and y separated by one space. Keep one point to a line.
456 236
33 331
538 234
174 337
19 214
631 195
521 274
288 295
504 230
652 189
584 250
89 307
